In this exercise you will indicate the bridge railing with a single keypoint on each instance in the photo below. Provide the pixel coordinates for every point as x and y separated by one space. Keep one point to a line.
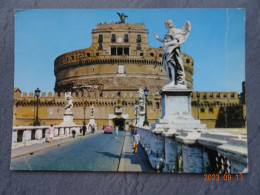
196 151
28 135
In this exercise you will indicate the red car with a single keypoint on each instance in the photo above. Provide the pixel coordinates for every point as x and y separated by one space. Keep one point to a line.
108 129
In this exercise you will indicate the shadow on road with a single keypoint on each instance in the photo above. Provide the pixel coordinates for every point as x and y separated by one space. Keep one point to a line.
109 154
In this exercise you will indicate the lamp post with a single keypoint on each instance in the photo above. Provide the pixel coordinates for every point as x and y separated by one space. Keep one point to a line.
84 106
84 122
146 91
37 94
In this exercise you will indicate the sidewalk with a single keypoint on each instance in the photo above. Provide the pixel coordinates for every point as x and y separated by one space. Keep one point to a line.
27 150
130 162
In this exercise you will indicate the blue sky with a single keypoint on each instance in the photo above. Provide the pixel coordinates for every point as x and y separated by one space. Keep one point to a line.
216 42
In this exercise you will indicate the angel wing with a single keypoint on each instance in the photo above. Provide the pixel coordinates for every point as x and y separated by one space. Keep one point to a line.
185 31
187 26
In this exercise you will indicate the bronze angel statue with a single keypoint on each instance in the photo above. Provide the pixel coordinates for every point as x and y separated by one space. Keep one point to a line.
171 53
122 17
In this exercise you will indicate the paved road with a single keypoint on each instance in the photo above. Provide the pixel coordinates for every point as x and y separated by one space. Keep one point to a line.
97 153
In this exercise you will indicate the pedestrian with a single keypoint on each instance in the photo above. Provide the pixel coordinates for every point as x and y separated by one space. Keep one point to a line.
92 129
51 132
84 128
73 133
132 129
116 131
135 141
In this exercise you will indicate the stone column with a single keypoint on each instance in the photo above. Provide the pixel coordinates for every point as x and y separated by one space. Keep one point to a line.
171 155
67 132
14 137
148 140
192 159
27 136
38 134
56 132
156 157
192 155
145 138
61 132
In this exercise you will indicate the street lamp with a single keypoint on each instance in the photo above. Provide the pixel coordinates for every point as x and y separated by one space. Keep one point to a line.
37 94
146 91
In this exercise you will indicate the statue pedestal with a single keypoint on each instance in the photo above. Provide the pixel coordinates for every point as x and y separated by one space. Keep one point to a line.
92 122
176 116
176 109
140 120
68 119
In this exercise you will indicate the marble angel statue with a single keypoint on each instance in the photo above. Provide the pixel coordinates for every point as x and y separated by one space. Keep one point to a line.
171 53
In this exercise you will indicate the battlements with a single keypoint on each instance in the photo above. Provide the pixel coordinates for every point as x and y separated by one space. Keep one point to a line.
76 95
214 95
215 98
43 95
118 25
225 97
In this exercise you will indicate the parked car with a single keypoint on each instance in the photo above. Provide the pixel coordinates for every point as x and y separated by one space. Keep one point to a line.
108 129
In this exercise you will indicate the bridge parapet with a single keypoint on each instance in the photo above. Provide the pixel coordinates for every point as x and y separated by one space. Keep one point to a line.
29 135
196 151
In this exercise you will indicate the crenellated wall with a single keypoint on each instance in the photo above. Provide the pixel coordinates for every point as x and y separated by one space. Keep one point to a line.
220 109
52 107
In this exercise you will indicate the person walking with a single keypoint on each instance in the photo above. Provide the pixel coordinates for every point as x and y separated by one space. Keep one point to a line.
73 133
93 129
84 128
135 141
117 131
51 132
132 129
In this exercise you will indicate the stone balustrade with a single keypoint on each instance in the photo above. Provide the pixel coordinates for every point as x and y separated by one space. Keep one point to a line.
29 135
196 151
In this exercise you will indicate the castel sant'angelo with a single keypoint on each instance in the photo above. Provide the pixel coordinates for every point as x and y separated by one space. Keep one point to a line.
108 76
